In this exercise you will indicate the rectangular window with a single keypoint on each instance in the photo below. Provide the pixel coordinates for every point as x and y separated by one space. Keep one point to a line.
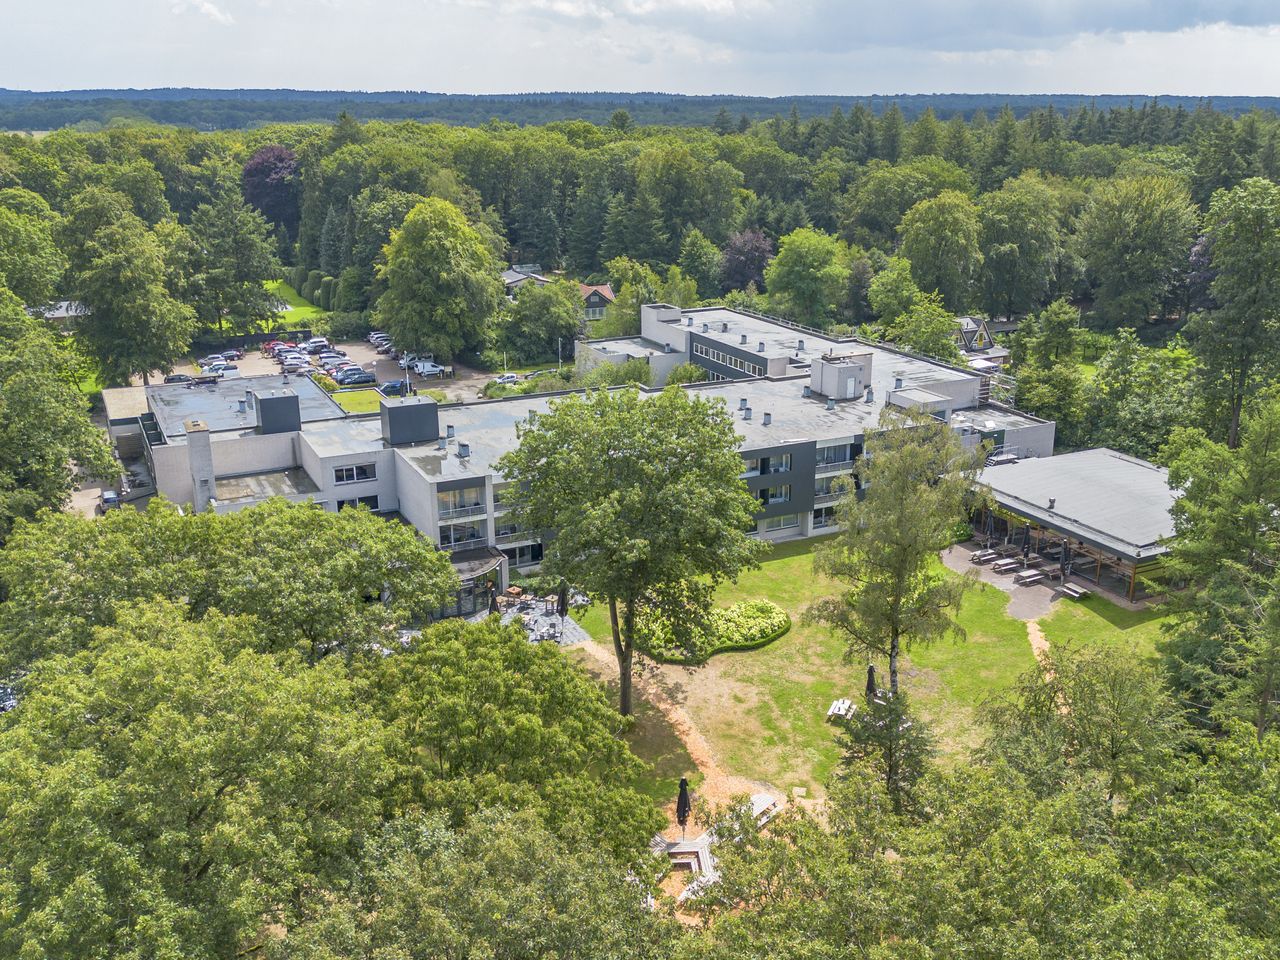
785 522
355 474
824 517
837 454
466 500
728 360
370 502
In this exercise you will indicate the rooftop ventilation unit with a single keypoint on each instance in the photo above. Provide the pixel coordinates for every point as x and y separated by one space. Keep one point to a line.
724 326
1053 502
767 419
442 443
870 397
666 348
807 391
706 327
799 345
448 431
760 347
746 413
897 383
464 451
831 403
742 403
744 339
688 321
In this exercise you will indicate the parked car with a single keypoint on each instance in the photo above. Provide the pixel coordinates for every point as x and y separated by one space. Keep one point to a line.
507 379
396 388
291 356
177 378
539 373
220 366
319 345
332 353
376 335
108 500
386 348
297 365
210 360
233 353
348 371
339 365
427 368
355 378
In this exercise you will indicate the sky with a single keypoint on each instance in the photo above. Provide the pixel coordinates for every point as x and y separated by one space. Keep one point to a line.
760 47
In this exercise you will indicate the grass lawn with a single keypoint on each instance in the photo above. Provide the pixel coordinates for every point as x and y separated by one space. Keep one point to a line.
366 401
1098 621
299 313
764 711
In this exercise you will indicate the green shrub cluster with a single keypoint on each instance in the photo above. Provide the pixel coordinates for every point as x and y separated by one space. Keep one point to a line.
744 626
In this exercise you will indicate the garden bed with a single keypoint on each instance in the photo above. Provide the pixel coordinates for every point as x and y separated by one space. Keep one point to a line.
747 625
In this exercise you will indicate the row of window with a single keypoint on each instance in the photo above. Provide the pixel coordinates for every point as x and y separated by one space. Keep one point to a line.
595 313
370 502
728 360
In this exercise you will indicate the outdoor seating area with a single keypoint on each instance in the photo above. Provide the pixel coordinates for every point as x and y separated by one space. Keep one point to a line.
541 616
695 855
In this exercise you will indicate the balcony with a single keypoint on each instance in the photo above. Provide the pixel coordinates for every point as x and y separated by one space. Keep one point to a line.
519 536
838 466
466 510
823 499
456 545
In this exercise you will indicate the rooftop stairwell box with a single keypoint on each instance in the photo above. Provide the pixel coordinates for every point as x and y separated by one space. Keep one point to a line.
408 420
841 376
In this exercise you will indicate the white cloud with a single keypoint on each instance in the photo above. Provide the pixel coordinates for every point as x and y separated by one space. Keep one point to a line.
206 8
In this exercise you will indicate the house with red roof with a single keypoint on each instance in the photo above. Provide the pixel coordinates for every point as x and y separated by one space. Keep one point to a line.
595 298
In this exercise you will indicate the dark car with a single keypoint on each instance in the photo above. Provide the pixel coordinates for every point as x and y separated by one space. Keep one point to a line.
233 353
356 379
396 388
177 378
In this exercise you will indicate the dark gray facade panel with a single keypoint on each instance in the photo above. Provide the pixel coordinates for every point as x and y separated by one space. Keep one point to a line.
278 413
799 477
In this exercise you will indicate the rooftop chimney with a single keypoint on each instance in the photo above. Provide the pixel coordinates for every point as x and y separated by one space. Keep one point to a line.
448 430
831 403
807 392
706 327
1053 501
464 451
666 348
724 326
746 413
767 419
799 344
744 339
742 403
760 347
688 321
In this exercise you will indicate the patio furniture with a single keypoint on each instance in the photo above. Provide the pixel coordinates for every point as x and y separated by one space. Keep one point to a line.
1074 591
982 556
840 708
1028 577
514 592
1006 566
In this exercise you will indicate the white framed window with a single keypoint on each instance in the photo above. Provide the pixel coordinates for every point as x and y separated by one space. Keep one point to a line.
355 473
370 502
728 360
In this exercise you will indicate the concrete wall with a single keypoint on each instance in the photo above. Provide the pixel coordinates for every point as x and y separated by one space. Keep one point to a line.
173 472
320 470
234 455
1032 441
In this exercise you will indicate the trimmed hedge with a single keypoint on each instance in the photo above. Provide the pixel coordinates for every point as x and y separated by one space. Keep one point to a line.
748 625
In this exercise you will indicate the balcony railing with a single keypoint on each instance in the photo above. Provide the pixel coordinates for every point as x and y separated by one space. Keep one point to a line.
469 510
824 498
456 545
516 537
837 466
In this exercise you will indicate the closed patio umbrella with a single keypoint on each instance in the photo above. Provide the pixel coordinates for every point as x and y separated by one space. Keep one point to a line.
683 805
1026 541
991 527
562 600
871 681
493 600
1066 560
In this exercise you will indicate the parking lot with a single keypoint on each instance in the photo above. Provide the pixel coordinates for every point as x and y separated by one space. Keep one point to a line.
466 383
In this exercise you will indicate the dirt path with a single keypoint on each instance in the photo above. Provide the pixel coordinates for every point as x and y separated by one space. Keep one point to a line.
1039 645
718 787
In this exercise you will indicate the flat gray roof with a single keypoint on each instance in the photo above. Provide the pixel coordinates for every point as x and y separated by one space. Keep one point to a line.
218 404
489 427
781 340
258 486
634 347
1112 501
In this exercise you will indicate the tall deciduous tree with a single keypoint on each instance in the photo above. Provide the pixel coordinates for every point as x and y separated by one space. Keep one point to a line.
30 263
118 270
638 495
1135 236
1238 343
45 431
544 321
927 328
1021 242
442 282
940 239
917 484
272 184
808 276
174 792
743 261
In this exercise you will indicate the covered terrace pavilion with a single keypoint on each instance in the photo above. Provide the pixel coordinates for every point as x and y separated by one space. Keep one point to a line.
1112 511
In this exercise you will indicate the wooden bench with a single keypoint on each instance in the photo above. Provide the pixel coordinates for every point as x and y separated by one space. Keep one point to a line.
1028 577
840 708
983 556
1006 566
